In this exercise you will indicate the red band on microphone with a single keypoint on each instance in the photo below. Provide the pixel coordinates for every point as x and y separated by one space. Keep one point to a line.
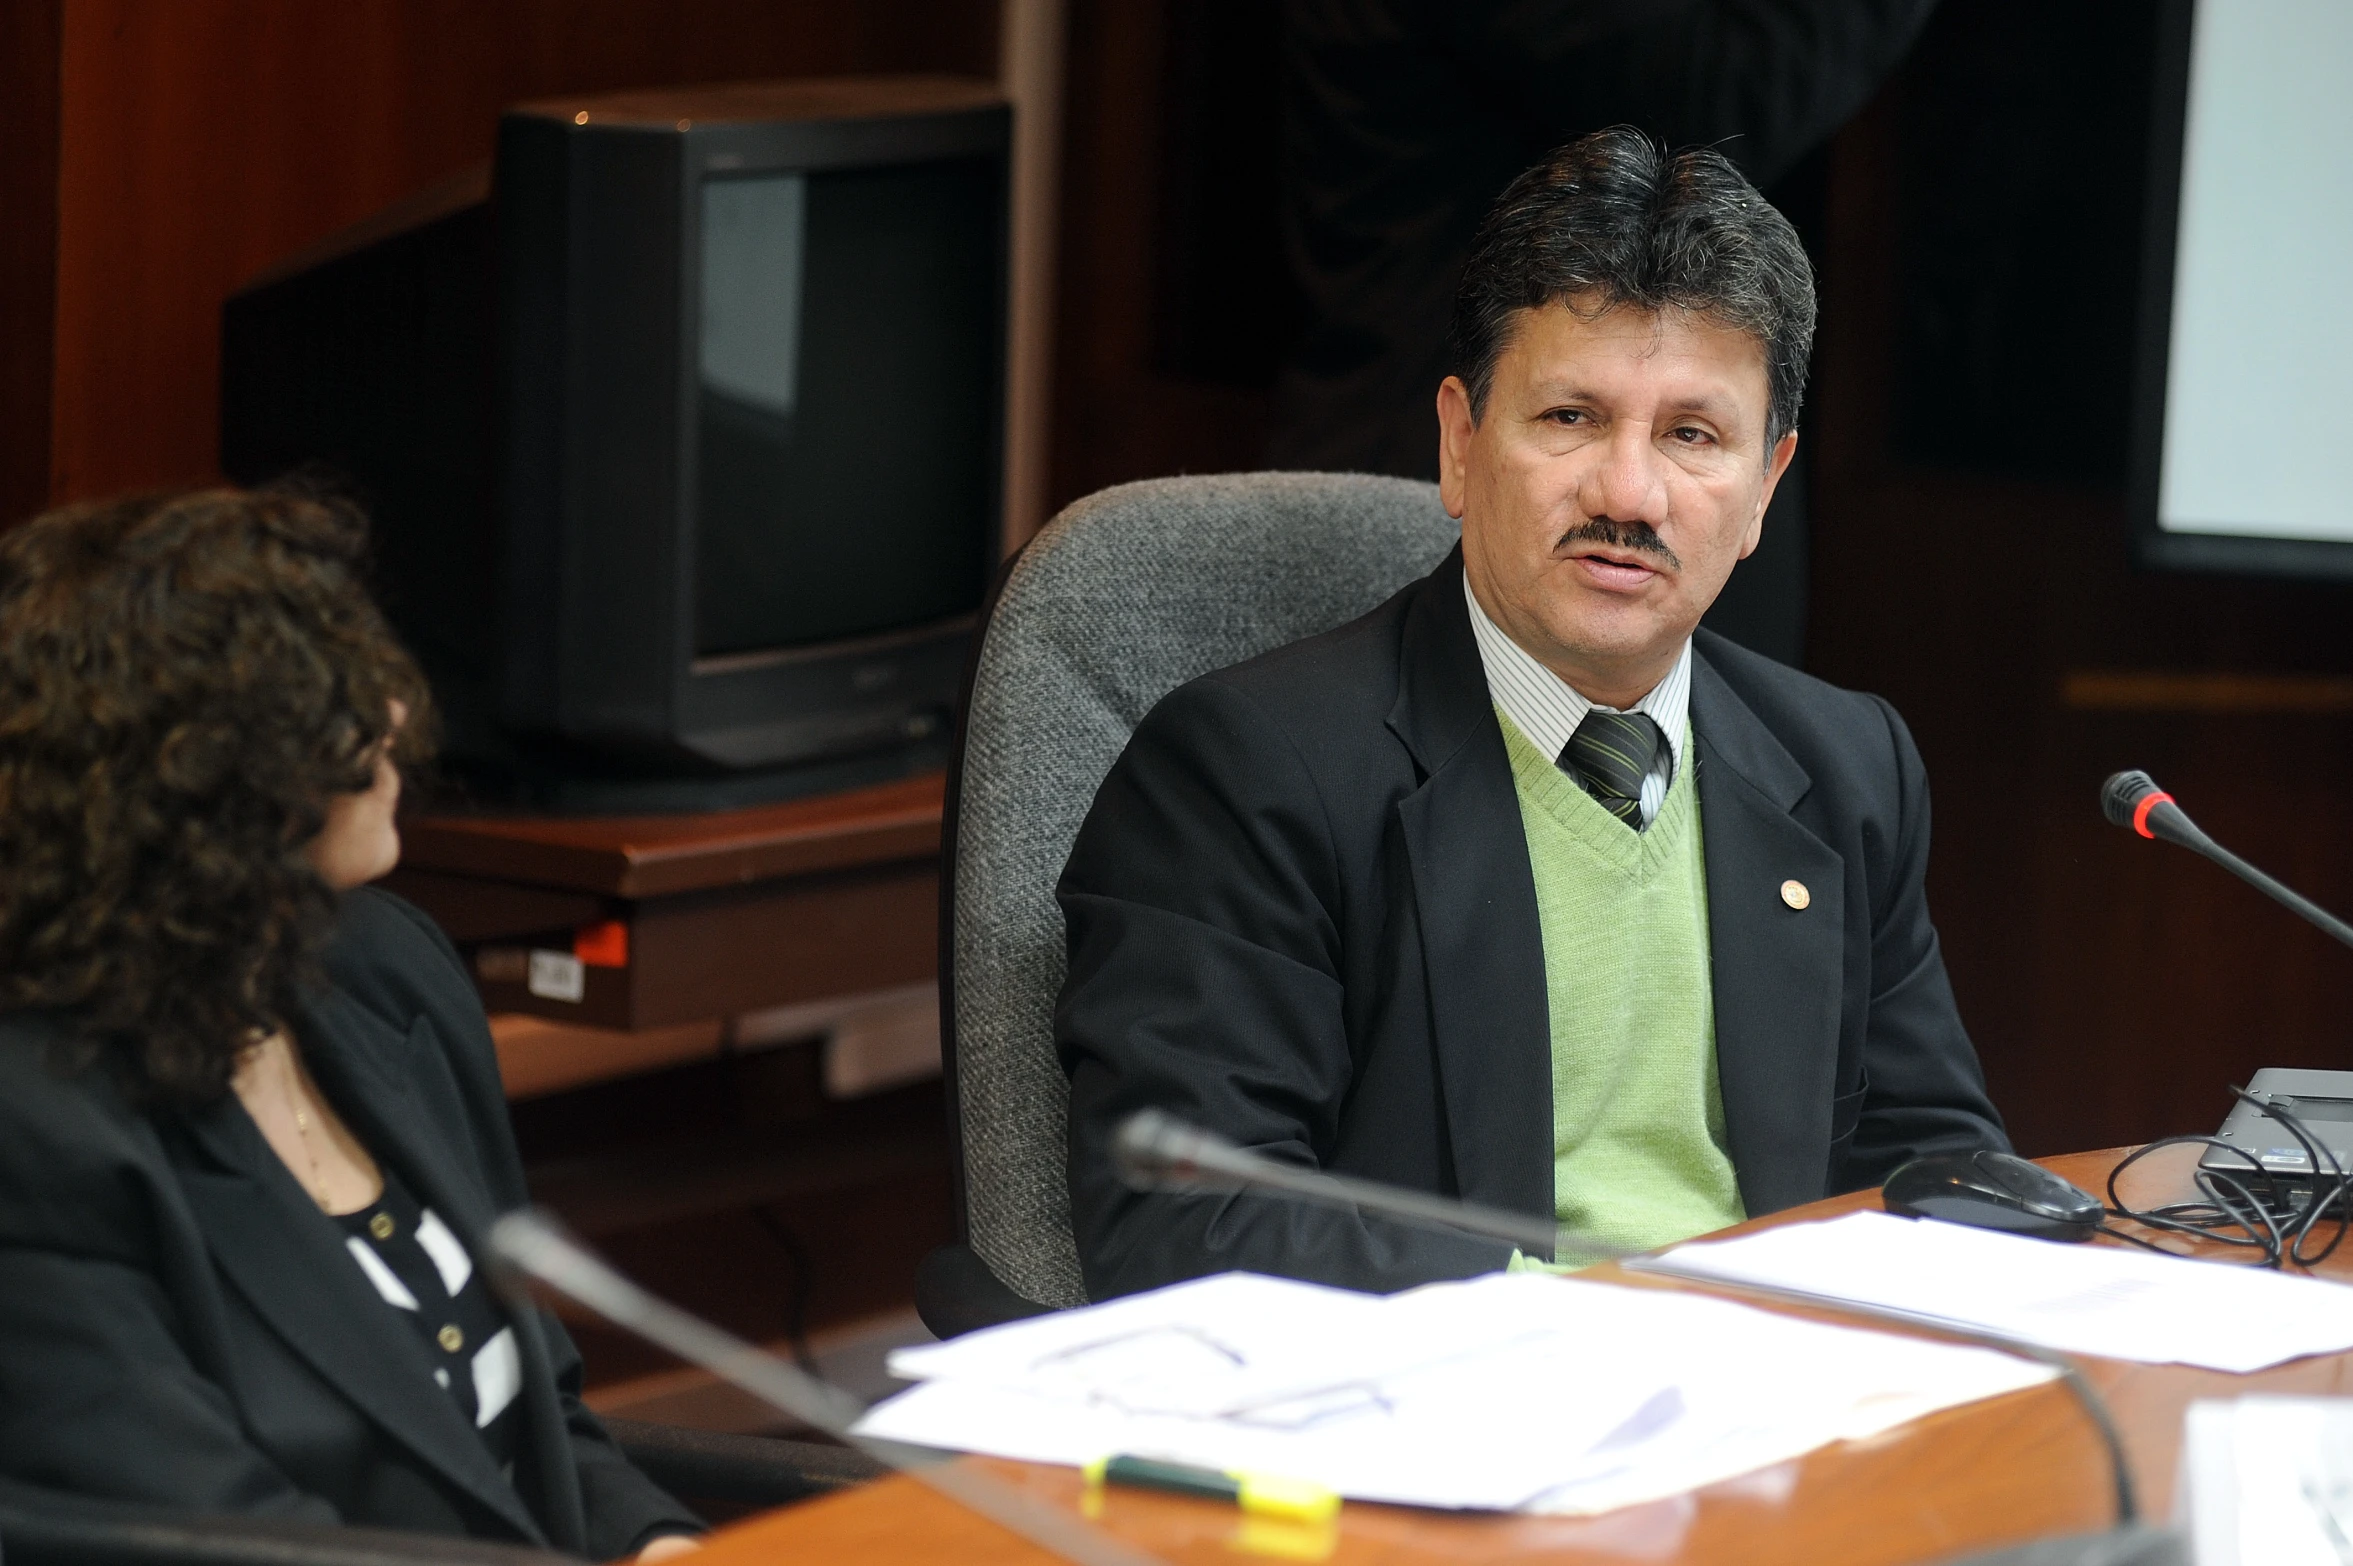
2140 812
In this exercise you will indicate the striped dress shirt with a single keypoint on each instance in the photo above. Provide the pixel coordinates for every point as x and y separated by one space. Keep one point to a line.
421 1270
1547 709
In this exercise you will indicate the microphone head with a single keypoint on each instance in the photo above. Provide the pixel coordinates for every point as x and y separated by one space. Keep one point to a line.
2134 801
2122 794
1158 1152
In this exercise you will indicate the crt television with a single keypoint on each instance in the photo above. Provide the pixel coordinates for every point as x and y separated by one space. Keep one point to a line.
681 426
2237 439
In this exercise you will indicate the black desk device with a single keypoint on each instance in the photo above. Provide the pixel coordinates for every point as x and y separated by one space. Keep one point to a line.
2322 1101
1988 1190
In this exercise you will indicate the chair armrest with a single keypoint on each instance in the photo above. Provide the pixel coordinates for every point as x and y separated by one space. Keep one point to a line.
956 1293
707 1465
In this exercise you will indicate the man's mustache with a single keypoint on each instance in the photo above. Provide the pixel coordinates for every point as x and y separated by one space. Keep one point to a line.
1621 535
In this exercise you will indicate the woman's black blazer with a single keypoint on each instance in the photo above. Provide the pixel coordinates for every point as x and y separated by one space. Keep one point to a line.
180 1326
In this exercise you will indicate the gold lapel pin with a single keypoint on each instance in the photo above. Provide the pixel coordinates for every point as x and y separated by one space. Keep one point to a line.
1795 894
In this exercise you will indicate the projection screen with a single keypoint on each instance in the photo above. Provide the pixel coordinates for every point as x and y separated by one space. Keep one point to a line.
2243 449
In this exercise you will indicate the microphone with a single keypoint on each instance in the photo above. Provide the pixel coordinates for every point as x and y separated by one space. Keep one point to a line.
1154 1151
1158 1152
2133 799
530 1244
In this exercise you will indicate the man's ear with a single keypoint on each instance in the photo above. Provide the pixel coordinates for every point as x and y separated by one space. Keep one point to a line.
1783 450
1455 427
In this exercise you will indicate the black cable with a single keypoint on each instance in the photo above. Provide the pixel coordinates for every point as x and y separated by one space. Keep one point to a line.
2095 1406
2227 1204
2318 1155
2319 1200
796 1299
2261 1208
2114 1233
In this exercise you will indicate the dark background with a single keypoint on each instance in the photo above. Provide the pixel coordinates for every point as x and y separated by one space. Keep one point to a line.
1977 225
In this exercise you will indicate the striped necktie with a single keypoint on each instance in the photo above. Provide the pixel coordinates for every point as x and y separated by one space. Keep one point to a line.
1610 754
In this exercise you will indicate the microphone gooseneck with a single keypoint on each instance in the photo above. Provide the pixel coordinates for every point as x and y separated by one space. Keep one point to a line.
529 1244
1158 1152
2133 800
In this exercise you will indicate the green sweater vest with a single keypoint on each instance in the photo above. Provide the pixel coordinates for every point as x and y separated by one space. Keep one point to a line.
1637 1113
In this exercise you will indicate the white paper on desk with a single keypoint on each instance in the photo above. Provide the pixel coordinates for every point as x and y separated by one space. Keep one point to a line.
2268 1481
1190 1349
1507 1392
2083 1299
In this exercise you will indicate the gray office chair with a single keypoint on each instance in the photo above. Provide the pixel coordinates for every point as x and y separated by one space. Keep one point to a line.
1122 598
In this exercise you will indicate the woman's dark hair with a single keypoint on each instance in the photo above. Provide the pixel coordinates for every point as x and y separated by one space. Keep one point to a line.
1615 219
186 682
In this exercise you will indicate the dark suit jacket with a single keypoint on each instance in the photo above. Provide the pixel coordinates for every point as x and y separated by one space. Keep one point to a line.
180 1326
1407 118
1301 914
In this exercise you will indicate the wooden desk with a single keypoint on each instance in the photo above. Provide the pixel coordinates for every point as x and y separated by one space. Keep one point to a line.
1971 1478
726 913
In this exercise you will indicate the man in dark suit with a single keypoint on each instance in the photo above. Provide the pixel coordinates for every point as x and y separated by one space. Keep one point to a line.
1517 889
1405 118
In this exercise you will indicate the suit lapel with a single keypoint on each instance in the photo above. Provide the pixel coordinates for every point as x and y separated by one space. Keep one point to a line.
292 1266
369 1069
1475 900
1777 969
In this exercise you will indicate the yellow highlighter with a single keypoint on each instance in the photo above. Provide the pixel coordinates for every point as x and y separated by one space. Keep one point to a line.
1260 1495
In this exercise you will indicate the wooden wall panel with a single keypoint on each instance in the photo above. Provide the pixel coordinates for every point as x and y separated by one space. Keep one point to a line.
2115 986
204 139
1121 409
29 32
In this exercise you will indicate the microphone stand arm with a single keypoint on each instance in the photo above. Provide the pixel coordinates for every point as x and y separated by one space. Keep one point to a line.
2293 901
1532 1235
2132 800
1155 1151
534 1246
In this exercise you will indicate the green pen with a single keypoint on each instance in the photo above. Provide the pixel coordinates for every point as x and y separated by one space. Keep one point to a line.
1261 1495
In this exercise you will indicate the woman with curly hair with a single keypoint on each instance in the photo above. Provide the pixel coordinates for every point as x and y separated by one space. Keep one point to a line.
251 1128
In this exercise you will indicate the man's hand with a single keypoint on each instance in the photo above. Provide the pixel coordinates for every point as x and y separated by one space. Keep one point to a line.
667 1546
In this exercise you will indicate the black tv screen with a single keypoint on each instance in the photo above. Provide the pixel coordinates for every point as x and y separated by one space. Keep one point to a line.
682 429
847 403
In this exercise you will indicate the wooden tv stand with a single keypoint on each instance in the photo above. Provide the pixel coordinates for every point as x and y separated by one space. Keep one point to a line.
652 921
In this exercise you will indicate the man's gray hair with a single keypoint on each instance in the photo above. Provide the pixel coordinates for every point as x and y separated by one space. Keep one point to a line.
1615 219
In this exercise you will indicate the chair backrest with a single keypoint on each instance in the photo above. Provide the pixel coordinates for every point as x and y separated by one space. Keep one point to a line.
1123 597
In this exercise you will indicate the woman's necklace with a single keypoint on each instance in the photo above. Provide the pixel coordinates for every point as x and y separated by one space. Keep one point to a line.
318 1178
290 1093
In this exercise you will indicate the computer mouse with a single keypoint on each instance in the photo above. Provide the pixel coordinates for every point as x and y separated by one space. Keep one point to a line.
1993 1191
